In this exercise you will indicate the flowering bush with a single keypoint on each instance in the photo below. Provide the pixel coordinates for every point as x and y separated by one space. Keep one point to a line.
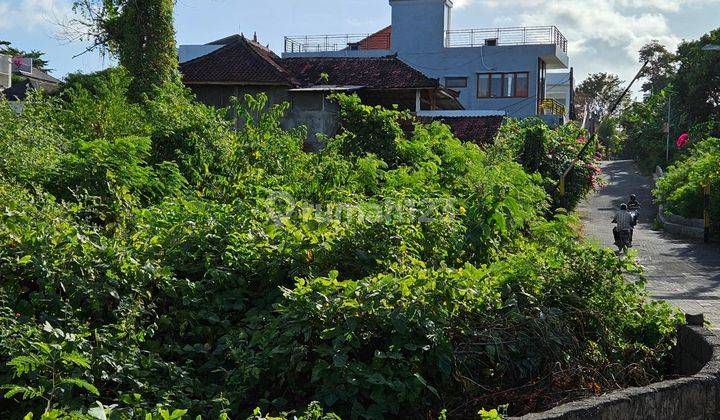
549 152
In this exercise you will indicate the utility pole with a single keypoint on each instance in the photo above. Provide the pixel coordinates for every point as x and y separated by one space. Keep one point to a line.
561 183
667 142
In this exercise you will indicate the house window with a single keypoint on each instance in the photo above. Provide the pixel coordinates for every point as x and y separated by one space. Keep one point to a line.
503 85
456 82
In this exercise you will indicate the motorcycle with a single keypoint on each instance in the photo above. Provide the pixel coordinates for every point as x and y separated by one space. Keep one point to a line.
624 240
635 213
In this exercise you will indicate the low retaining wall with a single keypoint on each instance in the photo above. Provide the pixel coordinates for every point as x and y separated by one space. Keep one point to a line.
692 228
695 397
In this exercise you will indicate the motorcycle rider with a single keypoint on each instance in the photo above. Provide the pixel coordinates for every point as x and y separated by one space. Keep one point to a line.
624 222
633 205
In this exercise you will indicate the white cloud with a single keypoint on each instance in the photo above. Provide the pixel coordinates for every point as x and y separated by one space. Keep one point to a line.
461 3
589 23
28 15
603 35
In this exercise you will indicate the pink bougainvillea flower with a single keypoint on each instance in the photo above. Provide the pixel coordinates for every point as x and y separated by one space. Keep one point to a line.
581 139
682 141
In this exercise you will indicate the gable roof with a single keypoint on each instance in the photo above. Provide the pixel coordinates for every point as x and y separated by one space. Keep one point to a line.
245 62
239 61
373 73
38 75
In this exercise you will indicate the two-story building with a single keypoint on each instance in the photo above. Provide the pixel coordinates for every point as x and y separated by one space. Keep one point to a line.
502 70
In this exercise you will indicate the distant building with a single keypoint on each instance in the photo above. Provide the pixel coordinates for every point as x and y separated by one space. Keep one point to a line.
236 66
5 72
18 77
501 70
558 91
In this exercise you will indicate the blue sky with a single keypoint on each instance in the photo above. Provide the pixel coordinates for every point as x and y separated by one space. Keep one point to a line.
604 35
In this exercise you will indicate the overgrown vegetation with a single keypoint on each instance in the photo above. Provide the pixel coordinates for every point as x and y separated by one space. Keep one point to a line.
682 188
549 153
151 258
687 81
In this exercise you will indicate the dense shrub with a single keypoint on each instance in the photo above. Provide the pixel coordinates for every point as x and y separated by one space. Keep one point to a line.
149 261
549 152
681 190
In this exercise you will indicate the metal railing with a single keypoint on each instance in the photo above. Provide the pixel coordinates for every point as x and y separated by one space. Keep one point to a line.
532 35
319 43
550 107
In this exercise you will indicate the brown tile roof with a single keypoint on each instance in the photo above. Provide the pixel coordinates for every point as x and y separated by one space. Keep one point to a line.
479 130
37 74
374 73
239 61
242 61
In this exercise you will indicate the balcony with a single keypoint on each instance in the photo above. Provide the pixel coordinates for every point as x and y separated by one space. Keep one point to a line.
348 42
551 107
532 35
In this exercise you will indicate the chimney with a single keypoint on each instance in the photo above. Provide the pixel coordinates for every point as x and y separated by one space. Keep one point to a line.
5 72
420 25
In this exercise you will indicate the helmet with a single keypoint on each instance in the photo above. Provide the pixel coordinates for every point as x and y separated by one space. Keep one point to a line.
633 196
623 206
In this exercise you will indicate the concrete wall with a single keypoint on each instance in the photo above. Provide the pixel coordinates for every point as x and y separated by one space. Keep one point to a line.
468 62
419 25
309 109
314 111
696 397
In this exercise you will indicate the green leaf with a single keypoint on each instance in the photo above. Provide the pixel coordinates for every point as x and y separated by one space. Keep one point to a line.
76 359
81 383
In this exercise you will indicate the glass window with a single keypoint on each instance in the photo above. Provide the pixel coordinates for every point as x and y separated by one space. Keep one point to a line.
496 85
509 85
456 82
502 85
483 85
521 85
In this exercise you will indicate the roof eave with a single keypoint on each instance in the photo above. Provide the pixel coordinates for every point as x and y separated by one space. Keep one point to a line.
234 83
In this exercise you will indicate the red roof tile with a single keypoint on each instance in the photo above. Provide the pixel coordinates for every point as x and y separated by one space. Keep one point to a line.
374 73
479 130
239 61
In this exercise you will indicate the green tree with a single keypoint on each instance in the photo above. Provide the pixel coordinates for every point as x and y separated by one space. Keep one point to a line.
140 34
697 84
6 48
595 95
661 68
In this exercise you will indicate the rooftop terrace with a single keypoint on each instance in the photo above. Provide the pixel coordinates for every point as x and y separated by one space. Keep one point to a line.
531 35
